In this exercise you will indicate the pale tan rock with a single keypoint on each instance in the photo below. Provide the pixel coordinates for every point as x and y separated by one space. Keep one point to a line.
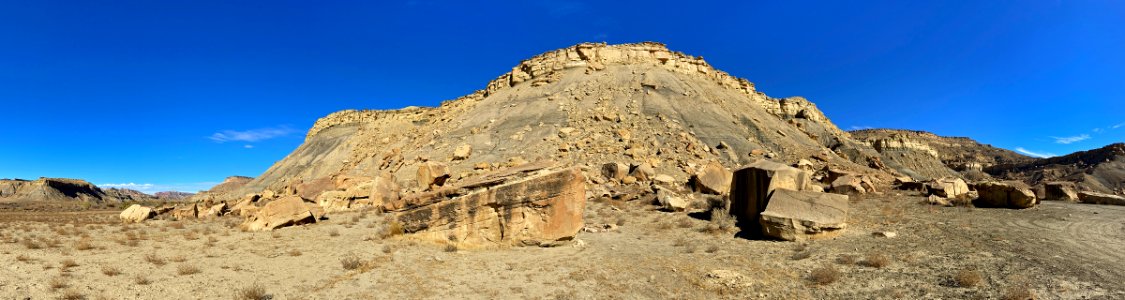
615 171
215 211
334 201
386 193
629 180
664 179
287 211
753 185
432 174
848 185
670 200
462 152
137 213
1005 194
802 215
1061 191
189 211
643 172
539 208
948 187
938 200
714 179
1099 198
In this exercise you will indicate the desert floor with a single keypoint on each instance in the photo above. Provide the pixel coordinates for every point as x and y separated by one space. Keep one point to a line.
1054 251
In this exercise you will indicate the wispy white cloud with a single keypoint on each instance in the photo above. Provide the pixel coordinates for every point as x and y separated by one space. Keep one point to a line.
248 146
1116 126
1034 154
860 127
150 188
1071 139
252 135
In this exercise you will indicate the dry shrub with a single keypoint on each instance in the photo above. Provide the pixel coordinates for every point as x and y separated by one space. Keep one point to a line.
253 292
31 244
722 222
388 249
334 233
824 275
187 270
67 263
23 258
803 254
72 295
392 228
83 245
451 247
110 271
351 262
1019 292
712 249
57 283
178 258
191 236
876 260
154 259
967 278
684 223
846 259
294 252
141 280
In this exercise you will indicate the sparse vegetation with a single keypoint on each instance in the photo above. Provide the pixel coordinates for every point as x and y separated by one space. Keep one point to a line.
111 271
155 260
253 292
57 283
722 222
351 262
334 233
876 260
451 247
83 245
141 280
67 263
72 295
846 259
967 278
294 252
1018 292
187 270
824 275
392 228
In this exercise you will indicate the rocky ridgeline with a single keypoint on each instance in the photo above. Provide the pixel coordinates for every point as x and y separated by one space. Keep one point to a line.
64 189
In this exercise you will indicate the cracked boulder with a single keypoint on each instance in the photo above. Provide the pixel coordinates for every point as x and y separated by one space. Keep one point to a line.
753 185
1009 194
287 211
804 215
524 205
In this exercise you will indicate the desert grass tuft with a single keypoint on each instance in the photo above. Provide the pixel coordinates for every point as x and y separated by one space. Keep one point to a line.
351 262
967 278
824 275
253 292
876 260
187 270
110 271
155 260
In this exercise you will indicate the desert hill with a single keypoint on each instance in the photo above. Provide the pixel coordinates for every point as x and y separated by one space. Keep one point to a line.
1101 170
925 155
61 189
638 104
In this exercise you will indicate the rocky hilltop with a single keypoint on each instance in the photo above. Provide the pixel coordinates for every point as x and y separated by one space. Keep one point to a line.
56 189
585 105
1101 170
925 155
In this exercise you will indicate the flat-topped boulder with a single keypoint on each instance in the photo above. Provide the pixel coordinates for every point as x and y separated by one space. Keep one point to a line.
752 186
1060 191
1008 194
948 187
137 213
522 206
1099 198
804 215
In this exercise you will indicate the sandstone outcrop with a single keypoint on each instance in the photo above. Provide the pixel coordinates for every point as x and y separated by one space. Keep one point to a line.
137 213
1060 191
286 211
1099 198
432 174
1008 194
713 179
525 206
803 215
64 189
947 187
752 186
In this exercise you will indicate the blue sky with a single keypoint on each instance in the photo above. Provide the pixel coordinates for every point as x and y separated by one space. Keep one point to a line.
178 95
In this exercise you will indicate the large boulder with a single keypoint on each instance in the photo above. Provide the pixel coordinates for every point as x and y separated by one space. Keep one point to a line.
287 211
948 187
848 185
1061 191
752 186
334 201
386 193
1099 198
713 179
432 174
462 152
521 206
1009 194
214 211
804 215
190 211
137 213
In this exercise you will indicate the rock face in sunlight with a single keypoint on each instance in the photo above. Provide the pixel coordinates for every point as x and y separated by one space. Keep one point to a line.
803 215
526 206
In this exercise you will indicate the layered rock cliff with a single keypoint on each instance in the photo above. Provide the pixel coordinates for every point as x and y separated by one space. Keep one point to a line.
639 104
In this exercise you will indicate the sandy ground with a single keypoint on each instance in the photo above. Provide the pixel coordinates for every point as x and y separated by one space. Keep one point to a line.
1054 251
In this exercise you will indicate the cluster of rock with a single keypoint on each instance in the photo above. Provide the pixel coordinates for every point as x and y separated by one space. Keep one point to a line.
782 202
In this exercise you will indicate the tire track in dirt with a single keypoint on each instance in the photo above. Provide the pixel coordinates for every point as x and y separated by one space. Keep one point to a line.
1080 234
